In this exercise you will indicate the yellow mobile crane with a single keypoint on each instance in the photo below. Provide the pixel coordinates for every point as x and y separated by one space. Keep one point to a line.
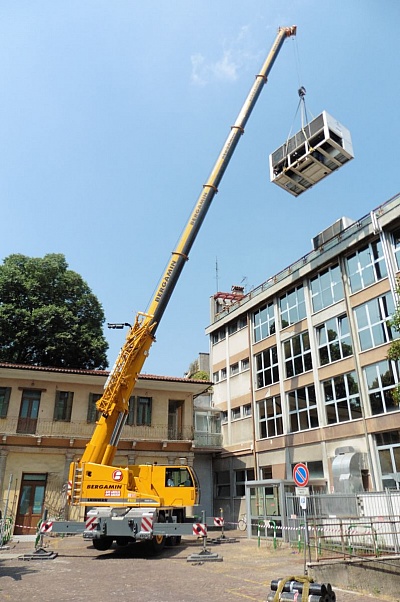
127 498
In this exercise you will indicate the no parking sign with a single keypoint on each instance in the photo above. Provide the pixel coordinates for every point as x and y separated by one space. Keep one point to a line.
301 475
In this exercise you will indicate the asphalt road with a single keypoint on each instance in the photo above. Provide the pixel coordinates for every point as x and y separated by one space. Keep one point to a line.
241 570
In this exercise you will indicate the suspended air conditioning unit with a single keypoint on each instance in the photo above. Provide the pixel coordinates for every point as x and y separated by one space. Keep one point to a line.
317 150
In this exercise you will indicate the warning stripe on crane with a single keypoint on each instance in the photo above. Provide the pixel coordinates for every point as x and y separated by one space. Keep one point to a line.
218 521
147 524
200 529
46 527
91 523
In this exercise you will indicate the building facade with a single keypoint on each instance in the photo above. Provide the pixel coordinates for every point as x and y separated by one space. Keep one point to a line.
48 415
301 372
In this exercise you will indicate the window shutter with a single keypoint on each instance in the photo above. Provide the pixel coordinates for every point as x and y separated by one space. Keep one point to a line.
56 403
5 393
131 411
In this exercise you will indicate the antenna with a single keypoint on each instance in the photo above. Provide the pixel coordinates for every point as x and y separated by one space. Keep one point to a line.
216 273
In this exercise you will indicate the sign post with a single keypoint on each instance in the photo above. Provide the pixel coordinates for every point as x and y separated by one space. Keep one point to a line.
301 477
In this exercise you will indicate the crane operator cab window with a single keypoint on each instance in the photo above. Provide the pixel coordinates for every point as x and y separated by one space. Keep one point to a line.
178 477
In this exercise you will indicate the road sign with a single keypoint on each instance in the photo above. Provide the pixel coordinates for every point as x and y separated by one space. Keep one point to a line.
301 475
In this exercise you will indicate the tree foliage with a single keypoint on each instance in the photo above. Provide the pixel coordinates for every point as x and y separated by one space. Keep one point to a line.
48 315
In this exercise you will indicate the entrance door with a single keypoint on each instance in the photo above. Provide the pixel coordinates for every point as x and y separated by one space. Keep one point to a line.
29 411
30 503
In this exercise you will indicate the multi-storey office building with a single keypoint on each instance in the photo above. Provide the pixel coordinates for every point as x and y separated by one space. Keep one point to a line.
300 368
47 416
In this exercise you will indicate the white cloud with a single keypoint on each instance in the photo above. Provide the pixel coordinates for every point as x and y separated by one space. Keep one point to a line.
235 55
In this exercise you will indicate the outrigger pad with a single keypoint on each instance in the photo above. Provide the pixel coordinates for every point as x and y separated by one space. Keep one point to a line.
39 554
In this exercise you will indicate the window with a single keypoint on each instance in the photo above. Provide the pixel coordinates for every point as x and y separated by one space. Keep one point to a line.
237 325
263 322
381 380
366 266
292 306
315 469
266 472
247 410
224 417
396 245
143 417
63 406
326 288
270 421
234 368
223 373
93 414
303 413
297 354
388 446
373 322
235 413
342 398
216 377
267 369
130 420
4 400
218 336
222 484
241 478
245 365
334 340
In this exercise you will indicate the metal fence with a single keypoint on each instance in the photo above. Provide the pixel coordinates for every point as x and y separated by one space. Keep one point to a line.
346 525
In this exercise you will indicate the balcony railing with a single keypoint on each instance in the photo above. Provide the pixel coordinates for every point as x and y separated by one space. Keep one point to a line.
84 430
204 439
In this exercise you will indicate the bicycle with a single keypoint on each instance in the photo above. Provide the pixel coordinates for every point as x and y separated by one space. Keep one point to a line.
242 522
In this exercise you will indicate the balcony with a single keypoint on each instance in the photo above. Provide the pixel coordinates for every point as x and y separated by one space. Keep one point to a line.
84 430
210 440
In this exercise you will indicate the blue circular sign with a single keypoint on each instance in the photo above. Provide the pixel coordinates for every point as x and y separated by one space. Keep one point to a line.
301 474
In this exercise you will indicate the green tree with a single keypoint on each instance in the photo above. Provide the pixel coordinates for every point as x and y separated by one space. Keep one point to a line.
48 315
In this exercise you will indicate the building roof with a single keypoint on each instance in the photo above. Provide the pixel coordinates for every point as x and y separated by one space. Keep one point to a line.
102 373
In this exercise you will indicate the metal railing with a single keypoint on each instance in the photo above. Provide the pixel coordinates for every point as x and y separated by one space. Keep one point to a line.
84 430
346 525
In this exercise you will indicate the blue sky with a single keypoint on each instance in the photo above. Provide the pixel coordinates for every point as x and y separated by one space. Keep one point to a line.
112 114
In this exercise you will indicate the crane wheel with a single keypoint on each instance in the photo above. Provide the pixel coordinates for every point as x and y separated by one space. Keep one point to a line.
156 545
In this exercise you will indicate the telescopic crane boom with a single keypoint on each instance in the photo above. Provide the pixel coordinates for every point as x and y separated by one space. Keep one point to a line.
113 405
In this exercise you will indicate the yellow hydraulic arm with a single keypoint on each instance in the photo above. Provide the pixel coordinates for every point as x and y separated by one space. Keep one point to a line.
113 405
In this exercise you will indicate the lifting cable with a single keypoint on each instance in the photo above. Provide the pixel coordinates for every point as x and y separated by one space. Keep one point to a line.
302 101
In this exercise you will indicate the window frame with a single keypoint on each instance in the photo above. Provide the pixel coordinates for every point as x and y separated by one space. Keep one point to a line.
270 421
384 307
299 347
143 410
382 393
366 273
266 367
5 394
304 407
298 307
341 403
263 322
339 341
335 284
93 413
240 484
63 406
